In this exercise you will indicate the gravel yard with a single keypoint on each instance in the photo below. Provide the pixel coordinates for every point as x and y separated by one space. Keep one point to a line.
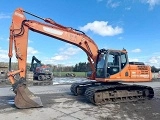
60 104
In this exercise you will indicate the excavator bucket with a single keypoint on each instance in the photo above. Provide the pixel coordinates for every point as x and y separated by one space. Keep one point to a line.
25 98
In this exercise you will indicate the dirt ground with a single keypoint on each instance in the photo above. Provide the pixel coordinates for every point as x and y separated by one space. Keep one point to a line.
60 104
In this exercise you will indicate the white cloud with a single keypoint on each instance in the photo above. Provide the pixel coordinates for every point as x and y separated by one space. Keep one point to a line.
154 61
102 28
133 60
60 57
99 0
1 38
70 51
3 55
4 16
64 55
152 3
113 3
32 51
136 50
120 38
30 41
128 8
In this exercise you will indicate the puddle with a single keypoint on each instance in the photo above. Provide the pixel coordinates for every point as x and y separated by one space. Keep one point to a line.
68 80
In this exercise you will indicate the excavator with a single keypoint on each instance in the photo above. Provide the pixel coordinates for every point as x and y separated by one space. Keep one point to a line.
110 68
40 72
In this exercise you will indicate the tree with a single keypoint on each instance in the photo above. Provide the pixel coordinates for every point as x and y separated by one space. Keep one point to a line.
82 67
154 69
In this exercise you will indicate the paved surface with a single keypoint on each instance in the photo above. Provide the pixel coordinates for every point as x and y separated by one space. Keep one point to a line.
60 104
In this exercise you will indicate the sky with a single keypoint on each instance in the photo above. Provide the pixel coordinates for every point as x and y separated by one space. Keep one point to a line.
111 24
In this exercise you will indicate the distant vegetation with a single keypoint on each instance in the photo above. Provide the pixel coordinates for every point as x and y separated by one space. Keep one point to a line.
154 69
79 67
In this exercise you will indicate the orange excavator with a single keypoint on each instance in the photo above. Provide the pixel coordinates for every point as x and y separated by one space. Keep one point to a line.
110 68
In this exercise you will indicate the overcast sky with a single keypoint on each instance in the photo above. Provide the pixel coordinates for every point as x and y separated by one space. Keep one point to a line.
112 24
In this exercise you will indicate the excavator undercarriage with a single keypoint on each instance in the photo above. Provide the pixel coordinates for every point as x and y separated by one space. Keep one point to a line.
100 93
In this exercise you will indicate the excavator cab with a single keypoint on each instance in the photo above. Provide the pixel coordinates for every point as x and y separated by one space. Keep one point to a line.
110 62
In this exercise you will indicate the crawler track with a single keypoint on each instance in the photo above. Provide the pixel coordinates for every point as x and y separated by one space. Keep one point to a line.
102 93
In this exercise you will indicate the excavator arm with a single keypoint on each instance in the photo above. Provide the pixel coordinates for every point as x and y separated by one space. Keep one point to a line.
32 63
19 39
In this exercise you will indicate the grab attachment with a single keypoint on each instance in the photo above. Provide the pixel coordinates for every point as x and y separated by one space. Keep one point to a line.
24 97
